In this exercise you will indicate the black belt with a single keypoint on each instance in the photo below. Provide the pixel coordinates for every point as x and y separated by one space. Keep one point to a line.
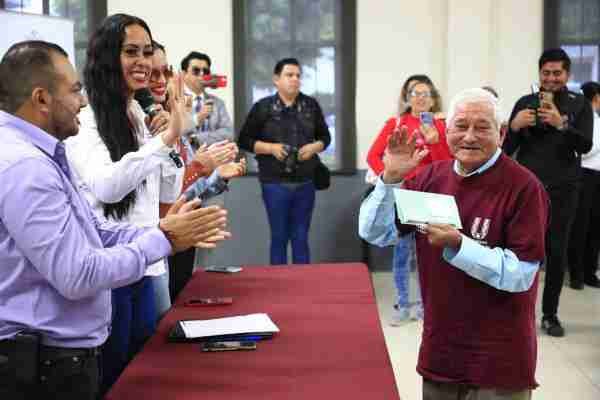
52 351
6 347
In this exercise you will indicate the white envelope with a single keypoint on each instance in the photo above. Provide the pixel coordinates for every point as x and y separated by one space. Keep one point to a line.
415 208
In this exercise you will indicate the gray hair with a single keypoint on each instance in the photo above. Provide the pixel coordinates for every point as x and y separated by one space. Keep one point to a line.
475 95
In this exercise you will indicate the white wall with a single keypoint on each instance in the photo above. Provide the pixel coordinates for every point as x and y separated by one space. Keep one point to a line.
458 43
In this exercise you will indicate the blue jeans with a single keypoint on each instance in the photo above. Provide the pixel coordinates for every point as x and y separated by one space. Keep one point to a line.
133 322
289 211
404 259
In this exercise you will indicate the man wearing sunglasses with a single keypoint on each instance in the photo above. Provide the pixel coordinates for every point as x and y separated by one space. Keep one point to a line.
210 120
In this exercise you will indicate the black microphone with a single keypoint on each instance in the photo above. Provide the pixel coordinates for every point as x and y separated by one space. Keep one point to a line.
146 100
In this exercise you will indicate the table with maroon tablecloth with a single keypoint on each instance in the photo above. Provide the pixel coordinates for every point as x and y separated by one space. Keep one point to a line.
331 345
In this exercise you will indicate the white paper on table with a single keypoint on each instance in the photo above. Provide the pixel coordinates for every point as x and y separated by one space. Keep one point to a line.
416 208
241 324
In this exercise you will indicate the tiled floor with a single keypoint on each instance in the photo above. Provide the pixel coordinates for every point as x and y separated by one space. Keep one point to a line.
568 367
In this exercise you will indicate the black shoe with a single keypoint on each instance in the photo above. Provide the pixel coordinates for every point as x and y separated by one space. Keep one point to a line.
592 281
576 285
552 326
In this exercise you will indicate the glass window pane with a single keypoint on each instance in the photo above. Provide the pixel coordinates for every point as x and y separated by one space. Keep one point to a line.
584 65
28 6
58 8
579 21
304 29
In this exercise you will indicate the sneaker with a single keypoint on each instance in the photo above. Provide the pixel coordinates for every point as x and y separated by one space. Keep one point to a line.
418 315
399 316
551 325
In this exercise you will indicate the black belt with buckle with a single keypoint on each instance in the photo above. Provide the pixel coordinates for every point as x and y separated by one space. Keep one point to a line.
60 352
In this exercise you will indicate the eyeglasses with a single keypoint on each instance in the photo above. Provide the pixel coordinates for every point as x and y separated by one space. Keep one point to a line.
415 93
197 71
167 72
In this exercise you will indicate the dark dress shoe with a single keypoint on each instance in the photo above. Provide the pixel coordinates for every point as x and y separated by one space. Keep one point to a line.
551 325
576 285
592 281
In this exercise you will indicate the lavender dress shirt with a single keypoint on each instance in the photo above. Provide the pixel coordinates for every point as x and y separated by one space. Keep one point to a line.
58 261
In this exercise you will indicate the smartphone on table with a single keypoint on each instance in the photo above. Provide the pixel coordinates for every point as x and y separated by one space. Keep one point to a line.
209 301
229 346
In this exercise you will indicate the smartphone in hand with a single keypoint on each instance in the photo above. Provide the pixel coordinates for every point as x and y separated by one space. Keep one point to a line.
426 118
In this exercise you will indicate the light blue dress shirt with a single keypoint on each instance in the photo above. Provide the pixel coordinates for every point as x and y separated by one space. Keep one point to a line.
497 267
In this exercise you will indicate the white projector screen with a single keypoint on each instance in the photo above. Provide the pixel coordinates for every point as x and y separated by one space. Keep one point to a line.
17 27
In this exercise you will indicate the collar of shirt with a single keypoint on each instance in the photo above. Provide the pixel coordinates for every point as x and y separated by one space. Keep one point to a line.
37 136
188 92
280 104
488 164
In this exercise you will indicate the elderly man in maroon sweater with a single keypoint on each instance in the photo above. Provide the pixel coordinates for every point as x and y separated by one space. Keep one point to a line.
479 285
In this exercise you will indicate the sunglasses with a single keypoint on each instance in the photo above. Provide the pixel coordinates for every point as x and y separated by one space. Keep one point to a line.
167 72
197 71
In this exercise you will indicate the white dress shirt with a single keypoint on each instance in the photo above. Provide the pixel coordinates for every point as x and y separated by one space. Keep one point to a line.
591 159
102 180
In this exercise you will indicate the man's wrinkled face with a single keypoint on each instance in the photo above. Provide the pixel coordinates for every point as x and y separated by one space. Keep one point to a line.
473 135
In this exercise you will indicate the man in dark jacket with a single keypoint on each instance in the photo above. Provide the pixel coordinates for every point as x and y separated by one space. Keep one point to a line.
549 131
286 131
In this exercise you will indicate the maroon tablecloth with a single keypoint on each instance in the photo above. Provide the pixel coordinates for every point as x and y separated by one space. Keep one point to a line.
331 345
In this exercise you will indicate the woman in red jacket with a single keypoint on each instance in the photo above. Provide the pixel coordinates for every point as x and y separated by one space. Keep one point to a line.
423 100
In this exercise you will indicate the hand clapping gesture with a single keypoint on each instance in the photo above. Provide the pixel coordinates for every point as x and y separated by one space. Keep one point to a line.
177 105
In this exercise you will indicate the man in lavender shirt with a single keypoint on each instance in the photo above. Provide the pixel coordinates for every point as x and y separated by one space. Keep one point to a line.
58 261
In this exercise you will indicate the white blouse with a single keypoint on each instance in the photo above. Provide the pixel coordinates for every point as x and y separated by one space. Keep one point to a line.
102 180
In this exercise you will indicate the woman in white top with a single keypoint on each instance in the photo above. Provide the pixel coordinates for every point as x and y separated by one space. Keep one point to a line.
122 169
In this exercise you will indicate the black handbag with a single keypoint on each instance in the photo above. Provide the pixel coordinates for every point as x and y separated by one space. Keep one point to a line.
322 177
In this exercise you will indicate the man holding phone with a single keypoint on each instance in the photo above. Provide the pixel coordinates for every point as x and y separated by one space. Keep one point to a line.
550 130
210 121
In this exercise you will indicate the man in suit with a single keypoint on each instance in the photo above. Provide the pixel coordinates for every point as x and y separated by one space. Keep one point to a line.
210 121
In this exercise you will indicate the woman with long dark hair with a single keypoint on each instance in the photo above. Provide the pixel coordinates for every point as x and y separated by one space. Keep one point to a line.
123 169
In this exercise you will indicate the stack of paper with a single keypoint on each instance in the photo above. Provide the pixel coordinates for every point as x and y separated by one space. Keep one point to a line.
229 328
417 208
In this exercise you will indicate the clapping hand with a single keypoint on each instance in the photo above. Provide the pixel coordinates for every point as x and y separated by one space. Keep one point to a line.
177 105
215 155
186 225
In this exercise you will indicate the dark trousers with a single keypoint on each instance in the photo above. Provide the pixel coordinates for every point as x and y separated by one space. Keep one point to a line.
133 322
453 391
584 244
63 374
563 201
289 210
181 267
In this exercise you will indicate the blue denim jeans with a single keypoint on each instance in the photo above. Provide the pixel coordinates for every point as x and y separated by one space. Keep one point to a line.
405 259
289 210
133 322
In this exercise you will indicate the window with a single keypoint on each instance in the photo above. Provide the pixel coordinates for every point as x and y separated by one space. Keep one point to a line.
574 25
321 35
86 14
